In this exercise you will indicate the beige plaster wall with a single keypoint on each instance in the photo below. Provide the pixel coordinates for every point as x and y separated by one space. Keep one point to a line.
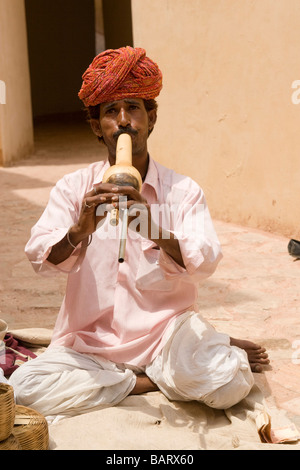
16 129
226 114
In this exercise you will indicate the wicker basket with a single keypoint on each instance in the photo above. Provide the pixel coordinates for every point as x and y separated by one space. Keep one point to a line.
31 429
7 410
11 443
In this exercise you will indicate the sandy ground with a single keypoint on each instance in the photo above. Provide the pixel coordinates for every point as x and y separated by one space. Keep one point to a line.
254 293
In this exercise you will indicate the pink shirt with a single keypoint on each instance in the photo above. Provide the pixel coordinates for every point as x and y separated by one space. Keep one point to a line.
120 311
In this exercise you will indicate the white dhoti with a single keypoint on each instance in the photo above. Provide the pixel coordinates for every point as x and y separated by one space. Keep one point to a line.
196 363
64 382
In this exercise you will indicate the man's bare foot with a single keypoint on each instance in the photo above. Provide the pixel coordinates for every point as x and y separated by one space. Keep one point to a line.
143 384
257 355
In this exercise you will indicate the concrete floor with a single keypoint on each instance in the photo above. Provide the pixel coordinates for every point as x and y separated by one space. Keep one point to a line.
254 293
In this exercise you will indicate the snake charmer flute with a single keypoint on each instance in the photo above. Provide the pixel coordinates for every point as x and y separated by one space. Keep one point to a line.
123 174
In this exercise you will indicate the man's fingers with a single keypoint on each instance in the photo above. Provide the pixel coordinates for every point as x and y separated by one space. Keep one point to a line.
102 188
87 206
93 201
129 192
112 192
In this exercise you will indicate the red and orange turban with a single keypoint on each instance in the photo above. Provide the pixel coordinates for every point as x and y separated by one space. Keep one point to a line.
116 74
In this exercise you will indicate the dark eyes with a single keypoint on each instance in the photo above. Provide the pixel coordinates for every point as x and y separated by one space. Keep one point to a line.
131 107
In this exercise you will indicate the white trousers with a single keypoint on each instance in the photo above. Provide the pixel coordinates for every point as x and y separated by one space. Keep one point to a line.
196 363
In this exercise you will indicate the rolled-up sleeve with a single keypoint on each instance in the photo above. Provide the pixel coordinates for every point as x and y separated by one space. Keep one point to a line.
60 214
198 241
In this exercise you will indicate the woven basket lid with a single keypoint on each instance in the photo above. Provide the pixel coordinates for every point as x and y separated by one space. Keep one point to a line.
11 443
31 429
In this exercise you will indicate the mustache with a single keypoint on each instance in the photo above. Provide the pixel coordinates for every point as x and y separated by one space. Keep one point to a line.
127 130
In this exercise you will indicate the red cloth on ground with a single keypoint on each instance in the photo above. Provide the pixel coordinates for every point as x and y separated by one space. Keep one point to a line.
11 360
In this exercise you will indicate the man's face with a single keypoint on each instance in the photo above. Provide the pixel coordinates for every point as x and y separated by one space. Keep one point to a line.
130 116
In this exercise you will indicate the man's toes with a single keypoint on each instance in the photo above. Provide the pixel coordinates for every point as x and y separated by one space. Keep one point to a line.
265 358
256 367
255 356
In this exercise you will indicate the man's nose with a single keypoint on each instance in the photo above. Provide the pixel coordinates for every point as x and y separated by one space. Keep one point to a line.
123 118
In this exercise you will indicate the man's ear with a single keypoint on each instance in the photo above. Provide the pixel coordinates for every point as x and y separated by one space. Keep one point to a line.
152 116
96 128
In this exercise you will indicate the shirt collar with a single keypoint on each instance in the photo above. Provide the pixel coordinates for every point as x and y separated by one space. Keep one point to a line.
152 176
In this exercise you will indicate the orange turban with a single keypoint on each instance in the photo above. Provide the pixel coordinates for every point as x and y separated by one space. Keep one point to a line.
116 74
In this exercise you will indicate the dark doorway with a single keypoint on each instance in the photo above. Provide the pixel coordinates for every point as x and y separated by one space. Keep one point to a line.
61 45
117 23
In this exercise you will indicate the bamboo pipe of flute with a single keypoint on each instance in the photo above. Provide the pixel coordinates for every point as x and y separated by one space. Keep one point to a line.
123 174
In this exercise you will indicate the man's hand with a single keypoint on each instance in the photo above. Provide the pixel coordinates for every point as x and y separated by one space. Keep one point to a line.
88 218
141 221
86 224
